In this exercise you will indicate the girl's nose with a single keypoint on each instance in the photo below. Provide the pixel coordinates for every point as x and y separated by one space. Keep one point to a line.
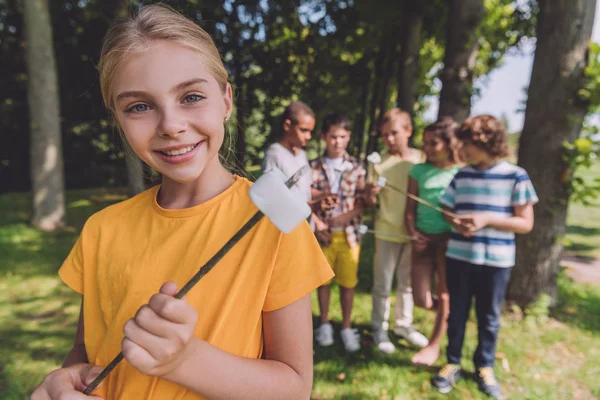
172 123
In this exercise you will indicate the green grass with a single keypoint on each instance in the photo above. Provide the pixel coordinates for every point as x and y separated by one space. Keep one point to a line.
583 230
554 359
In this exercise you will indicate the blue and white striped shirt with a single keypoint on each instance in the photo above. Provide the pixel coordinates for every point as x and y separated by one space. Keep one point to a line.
496 190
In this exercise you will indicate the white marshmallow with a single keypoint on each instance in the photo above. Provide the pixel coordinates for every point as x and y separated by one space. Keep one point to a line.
362 229
270 194
374 158
381 181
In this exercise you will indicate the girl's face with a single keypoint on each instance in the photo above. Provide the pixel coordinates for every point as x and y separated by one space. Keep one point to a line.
435 148
171 110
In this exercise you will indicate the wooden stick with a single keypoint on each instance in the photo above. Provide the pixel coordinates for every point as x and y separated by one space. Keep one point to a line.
420 200
391 234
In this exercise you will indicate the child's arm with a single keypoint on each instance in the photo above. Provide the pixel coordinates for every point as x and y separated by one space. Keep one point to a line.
521 222
321 230
410 214
72 379
159 341
342 220
78 353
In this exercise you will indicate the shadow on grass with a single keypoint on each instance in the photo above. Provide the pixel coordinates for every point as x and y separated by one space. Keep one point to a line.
578 305
27 252
583 230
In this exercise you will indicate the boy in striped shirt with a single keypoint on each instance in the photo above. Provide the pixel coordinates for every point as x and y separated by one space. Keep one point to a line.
494 200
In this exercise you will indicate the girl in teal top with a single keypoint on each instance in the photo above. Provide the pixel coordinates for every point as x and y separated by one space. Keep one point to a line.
430 230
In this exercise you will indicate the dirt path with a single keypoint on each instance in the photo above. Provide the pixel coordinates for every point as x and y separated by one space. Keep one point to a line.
583 269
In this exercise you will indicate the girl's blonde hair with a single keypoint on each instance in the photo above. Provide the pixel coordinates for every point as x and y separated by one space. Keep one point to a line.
139 32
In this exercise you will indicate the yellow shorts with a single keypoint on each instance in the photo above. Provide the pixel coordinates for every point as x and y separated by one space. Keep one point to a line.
343 260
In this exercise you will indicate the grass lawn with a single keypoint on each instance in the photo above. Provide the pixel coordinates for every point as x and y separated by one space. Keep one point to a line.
553 359
583 231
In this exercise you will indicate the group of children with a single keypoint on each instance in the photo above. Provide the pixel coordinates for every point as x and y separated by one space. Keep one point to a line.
442 258
244 331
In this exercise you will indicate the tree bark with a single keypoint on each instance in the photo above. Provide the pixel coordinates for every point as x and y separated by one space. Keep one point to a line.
554 114
408 71
361 120
459 59
47 170
383 72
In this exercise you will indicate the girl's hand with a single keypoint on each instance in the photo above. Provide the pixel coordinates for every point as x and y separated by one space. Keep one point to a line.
420 241
157 337
67 383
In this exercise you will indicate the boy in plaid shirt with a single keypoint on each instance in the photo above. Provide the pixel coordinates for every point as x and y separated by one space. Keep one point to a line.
343 177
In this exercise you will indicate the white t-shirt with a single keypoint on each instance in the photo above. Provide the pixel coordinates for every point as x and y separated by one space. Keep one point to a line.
289 163
334 176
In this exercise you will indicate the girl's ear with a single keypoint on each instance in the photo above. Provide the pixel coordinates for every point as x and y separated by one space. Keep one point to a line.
228 97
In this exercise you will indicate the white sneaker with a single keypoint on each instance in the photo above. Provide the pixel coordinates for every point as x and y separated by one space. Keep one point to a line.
383 342
411 335
351 339
324 335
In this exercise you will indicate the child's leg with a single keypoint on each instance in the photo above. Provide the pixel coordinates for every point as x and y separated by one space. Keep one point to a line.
421 273
324 291
347 279
489 296
460 288
429 354
404 297
384 263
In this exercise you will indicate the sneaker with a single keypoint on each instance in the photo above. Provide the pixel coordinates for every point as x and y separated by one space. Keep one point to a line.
351 339
446 378
488 383
383 342
411 335
324 335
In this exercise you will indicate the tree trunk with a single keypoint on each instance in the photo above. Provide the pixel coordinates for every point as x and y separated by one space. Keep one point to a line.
135 173
461 51
47 171
135 166
361 120
408 72
554 114
381 78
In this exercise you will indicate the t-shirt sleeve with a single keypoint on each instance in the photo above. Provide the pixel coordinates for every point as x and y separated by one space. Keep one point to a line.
269 162
523 192
415 172
71 271
300 267
448 199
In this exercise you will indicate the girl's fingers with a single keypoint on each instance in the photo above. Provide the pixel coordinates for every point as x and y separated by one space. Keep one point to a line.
147 319
136 355
159 348
174 310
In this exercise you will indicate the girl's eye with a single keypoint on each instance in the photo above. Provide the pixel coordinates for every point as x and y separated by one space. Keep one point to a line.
138 108
192 98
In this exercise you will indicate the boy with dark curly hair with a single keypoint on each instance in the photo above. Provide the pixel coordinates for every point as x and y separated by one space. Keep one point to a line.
494 200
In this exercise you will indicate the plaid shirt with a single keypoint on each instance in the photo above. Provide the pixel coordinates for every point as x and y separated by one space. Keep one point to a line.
352 185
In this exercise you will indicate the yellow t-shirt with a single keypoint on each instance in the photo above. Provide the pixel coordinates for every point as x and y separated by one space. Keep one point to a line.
127 251
389 219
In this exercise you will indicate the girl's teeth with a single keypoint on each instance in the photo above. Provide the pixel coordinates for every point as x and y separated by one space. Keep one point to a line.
178 152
